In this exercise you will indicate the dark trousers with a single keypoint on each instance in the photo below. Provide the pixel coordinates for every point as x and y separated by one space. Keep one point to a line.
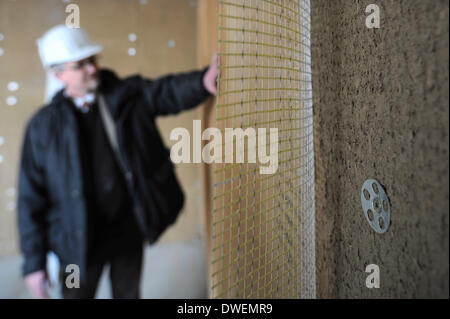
123 251
125 275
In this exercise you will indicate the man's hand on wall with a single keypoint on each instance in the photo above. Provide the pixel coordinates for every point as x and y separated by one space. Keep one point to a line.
210 78
36 283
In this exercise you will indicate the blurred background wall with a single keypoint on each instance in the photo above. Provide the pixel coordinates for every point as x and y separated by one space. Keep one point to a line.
165 42
150 37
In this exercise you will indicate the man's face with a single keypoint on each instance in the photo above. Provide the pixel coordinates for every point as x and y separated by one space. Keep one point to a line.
81 77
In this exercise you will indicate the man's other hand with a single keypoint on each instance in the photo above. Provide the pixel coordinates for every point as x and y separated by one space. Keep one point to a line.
36 283
210 77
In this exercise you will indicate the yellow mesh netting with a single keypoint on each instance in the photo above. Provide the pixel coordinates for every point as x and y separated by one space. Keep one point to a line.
263 225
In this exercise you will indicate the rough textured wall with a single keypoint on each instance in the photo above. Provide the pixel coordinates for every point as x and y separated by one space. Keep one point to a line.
381 111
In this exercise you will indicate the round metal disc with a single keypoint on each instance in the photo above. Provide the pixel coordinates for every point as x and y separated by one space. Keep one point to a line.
376 206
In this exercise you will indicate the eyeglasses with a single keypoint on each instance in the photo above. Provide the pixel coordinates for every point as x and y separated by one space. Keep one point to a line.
82 64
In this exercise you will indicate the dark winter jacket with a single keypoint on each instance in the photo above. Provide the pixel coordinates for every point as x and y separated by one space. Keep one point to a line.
51 204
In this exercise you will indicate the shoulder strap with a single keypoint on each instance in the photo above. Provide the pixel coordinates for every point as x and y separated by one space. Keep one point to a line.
110 128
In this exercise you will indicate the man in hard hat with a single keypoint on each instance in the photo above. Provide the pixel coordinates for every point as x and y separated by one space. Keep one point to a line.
96 180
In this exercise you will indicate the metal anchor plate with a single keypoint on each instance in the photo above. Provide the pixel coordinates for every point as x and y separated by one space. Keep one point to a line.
376 206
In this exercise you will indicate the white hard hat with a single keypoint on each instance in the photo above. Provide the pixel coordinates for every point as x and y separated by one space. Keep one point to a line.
62 44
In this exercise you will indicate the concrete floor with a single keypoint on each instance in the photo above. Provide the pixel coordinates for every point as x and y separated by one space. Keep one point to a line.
171 270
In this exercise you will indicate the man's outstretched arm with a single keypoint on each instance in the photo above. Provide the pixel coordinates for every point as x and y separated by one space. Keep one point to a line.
174 93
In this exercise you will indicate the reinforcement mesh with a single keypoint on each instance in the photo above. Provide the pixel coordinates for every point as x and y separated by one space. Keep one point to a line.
263 225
